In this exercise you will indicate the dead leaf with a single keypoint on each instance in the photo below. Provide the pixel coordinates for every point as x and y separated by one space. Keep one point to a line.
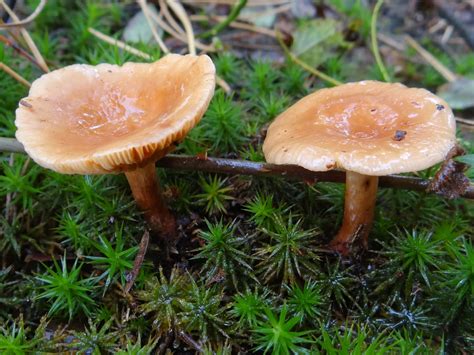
316 41
459 94
138 30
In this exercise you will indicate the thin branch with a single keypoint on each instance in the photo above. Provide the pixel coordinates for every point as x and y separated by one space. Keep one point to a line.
232 166
14 75
469 122
17 48
435 63
304 65
120 44
243 167
27 20
29 41
375 46
234 13
146 12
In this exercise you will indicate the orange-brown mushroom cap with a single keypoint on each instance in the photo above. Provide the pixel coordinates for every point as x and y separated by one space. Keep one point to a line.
85 119
368 127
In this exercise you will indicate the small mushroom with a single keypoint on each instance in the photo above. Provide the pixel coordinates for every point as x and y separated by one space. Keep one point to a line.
102 119
369 129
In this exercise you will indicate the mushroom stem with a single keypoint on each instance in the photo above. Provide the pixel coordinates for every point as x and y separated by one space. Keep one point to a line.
147 193
359 205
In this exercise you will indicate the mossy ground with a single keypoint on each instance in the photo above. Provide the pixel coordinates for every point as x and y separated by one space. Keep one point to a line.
251 271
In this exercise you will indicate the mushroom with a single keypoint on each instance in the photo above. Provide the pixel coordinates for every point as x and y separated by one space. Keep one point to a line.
103 119
369 129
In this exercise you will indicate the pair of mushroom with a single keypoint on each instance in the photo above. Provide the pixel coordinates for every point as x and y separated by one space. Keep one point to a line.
107 119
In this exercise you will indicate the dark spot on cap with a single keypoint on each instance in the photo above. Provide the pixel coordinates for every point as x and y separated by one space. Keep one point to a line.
399 135
373 110
26 104
330 166
285 150
439 107
416 104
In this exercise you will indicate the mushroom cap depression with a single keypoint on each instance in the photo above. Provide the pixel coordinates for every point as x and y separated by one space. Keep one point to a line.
85 119
369 127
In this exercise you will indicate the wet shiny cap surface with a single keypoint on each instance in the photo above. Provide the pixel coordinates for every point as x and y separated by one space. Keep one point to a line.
368 127
97 119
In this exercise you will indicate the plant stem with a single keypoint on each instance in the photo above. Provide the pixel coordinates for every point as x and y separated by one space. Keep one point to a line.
359 206
375 46
234 13
147 193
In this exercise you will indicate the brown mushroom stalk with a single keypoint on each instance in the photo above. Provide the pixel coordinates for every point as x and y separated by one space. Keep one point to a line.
147 193
359 206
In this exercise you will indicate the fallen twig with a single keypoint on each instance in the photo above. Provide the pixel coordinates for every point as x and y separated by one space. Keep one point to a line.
137 264
29 41
16 47
435 63
120 44
243 167
27 20
464 121
14 75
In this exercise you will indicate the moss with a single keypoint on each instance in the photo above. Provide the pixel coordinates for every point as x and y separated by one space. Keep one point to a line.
252 255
